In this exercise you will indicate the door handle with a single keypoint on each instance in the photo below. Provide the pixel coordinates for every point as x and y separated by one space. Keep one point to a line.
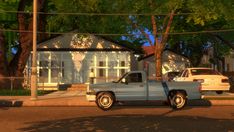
141 85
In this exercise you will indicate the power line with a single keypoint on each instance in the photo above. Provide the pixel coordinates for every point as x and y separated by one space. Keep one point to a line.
97 14
119 34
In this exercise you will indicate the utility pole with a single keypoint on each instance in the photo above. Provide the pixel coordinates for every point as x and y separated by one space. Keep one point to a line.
34 54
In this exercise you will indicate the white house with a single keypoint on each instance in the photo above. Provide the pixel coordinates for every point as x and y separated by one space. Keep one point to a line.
170 62
72 58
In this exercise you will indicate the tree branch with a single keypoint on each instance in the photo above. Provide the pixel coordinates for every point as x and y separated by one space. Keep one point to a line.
223 40
134 25
165 36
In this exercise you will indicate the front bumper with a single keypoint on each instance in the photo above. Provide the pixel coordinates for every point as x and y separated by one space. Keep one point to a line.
91 96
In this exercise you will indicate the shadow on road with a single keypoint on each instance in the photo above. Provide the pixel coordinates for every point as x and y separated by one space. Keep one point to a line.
155 104
5 104
132 123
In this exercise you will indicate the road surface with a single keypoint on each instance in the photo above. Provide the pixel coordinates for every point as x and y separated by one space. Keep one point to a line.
120 118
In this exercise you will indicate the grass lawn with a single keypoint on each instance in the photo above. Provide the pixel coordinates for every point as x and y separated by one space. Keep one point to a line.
21 92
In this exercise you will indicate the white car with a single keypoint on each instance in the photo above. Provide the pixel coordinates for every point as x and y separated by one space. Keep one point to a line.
210 79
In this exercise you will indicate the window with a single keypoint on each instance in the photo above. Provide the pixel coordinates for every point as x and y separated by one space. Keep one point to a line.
134 78
122 71
43 71
102 69
62 69
228 67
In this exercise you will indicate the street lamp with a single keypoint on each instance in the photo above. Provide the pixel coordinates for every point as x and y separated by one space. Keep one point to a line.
34 56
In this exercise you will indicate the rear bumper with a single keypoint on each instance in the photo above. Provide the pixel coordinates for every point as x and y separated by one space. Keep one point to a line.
221 87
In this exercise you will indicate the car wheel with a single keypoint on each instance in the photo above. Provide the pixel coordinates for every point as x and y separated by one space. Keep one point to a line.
219 92
178 100
105 100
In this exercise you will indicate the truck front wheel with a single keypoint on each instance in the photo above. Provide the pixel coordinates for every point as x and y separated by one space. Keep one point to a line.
177 100
105 100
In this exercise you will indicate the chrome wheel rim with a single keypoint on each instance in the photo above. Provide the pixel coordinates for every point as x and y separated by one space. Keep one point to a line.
179 101
105 101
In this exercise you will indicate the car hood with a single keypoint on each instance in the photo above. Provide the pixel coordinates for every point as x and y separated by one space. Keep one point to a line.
102 85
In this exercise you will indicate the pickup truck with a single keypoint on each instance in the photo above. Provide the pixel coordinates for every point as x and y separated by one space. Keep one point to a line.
134 86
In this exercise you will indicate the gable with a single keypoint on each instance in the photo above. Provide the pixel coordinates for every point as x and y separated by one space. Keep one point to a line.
167 56
78 42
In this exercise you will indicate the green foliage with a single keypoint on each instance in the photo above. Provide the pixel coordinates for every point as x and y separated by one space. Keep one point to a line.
8 21
21 92
201 15
206 11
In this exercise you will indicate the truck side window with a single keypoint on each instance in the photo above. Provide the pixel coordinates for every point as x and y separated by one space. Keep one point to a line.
134 78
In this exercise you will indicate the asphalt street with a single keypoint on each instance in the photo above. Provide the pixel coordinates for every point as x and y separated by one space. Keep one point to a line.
120 118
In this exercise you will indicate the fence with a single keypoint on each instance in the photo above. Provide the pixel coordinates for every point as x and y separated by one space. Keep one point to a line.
24 82
13 82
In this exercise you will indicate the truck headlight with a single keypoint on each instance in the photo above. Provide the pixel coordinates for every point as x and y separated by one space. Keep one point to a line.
91 92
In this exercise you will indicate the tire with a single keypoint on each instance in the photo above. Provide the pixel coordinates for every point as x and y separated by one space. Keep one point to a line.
105 100
219 92
177 100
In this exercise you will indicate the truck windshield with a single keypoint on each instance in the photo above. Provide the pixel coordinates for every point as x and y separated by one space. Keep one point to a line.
122 77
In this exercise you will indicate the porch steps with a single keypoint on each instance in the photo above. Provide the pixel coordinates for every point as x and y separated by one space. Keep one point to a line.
77 87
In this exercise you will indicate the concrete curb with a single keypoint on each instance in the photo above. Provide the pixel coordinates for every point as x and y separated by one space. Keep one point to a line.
17 101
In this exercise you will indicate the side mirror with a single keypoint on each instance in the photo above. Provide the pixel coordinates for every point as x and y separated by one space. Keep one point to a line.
124 81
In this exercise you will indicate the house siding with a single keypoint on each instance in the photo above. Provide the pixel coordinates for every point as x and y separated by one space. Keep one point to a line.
70 59
170 62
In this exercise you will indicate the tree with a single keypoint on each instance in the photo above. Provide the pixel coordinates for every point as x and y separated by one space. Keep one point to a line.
200 14
17 64
142 18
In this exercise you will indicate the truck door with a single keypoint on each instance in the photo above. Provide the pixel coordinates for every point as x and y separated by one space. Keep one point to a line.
132 87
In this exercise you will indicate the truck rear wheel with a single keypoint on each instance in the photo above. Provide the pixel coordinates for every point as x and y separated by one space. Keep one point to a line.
177 100
105 100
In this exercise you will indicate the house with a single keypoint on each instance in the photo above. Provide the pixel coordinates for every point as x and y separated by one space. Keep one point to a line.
223 64
73 58
170 62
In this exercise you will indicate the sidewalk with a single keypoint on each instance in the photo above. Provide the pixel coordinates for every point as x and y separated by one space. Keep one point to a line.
78 98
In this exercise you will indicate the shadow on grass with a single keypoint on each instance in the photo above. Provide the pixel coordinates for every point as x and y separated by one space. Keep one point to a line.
132 123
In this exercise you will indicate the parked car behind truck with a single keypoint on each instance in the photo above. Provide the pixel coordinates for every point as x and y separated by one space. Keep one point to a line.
210 79
134 86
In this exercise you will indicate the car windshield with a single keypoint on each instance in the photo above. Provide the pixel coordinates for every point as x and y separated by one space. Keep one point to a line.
204 72
180 73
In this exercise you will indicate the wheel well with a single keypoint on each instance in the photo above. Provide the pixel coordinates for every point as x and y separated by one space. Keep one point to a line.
106 92
172 92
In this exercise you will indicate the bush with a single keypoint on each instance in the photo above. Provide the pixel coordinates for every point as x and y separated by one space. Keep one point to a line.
21 92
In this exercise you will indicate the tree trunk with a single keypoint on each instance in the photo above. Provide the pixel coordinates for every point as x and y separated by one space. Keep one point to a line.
4 83
159 46
158 62
42 24
19 61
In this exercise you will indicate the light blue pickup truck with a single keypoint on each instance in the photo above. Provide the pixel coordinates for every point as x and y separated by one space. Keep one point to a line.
134 86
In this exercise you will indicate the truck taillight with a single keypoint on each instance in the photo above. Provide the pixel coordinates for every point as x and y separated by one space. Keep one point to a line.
225 80
199 80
